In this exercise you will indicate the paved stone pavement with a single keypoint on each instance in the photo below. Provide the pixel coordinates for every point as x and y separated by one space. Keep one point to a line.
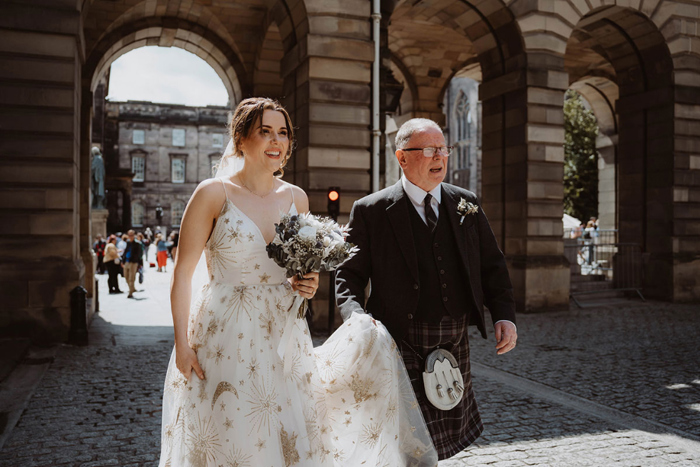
617 386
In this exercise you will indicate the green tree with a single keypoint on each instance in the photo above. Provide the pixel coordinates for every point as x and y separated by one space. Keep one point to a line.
580 159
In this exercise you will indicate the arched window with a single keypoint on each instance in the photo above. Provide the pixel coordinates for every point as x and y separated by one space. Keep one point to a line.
138 213
463 117
177 210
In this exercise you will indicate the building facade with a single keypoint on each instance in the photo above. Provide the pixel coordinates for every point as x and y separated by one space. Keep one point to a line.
637 63
169 149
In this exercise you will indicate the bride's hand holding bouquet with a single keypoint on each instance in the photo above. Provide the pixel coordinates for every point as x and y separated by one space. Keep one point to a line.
305 245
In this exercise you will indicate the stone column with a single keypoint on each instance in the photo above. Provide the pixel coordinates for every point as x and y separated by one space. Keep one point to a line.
607 182
522 178
330 69
685 242
40 177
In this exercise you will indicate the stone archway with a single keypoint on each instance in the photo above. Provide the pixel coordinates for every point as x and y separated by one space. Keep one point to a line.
601 93
629 48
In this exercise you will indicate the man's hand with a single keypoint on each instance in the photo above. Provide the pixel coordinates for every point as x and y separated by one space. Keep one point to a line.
506 335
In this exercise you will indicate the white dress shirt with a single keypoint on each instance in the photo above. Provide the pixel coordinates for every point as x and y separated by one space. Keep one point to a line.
417 197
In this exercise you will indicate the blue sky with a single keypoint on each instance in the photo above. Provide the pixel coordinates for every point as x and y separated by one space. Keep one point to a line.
165 75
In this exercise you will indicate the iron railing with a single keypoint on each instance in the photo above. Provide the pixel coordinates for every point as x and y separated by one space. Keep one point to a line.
614 265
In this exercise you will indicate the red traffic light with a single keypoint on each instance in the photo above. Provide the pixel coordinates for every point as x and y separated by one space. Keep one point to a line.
333 195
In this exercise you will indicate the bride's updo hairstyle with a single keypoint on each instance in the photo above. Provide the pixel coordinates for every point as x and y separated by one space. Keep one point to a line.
243 122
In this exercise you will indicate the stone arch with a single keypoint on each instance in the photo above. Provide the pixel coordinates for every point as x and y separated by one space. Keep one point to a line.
435 40
601 94
267 76
627 46
170 32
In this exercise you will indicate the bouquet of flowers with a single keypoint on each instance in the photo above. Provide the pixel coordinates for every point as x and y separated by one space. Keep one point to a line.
307 243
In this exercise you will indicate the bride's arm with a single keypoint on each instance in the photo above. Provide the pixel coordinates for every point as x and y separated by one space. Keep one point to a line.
195 228
306 287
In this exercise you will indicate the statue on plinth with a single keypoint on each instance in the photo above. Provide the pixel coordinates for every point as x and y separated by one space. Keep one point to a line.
98 179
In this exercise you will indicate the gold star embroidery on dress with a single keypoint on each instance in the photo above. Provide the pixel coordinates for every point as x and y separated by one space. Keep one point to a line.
237 458
256 267
260 444
251 237
370 434
228 423
264 278
253 368
203 440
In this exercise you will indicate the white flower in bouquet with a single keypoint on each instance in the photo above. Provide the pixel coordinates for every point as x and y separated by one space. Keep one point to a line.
307 232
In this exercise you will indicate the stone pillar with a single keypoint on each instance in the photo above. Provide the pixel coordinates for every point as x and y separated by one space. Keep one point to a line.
332 100
686 195
607 182
40 175
645 165
522 178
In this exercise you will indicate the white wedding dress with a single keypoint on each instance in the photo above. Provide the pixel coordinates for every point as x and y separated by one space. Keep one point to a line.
269 398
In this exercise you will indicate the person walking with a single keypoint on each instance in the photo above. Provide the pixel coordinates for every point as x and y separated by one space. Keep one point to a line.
112 263
161 253
245 385
133 258
433 262
99 248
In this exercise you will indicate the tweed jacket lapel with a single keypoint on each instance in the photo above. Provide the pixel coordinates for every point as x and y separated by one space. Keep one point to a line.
397 212
451 201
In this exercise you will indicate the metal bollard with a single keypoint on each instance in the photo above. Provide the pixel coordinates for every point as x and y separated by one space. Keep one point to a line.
97 296
78 333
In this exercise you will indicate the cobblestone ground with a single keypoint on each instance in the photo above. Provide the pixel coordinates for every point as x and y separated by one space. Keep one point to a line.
640 358
100 405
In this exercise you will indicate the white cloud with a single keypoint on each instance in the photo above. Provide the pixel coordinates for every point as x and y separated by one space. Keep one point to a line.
165 75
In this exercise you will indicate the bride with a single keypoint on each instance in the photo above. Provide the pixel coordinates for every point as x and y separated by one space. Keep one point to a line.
244 386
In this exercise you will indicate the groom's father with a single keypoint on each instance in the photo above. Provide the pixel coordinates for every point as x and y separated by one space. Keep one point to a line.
433 262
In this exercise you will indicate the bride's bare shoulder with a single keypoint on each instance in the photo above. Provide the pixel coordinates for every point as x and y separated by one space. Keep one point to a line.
301 200
209 192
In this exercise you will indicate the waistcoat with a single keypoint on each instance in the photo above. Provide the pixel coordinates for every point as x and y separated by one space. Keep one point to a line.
443 289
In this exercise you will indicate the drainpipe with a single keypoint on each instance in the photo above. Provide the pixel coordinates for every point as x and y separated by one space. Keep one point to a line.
376 132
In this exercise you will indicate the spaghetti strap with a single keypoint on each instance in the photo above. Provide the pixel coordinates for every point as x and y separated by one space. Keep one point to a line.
292 194
224 187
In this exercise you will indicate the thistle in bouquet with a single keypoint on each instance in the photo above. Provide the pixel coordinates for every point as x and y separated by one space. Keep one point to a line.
306 243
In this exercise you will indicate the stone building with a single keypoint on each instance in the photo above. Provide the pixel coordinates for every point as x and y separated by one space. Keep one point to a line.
636 62
462 131
169 149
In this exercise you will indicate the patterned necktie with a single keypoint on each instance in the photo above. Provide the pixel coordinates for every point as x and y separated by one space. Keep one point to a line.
430 216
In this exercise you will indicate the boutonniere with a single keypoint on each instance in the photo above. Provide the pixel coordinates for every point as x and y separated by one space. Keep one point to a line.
464 209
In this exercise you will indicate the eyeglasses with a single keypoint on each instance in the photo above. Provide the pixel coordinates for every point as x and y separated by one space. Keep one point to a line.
430 152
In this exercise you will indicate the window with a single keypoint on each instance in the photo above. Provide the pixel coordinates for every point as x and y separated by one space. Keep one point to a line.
177 169
464 121
178 137
138 167
177 210
217 140
138 212
138 137
213 161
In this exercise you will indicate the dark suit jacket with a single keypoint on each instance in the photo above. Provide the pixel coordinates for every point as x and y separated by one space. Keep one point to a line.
381 228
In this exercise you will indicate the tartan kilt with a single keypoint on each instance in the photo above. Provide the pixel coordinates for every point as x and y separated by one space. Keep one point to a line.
452 430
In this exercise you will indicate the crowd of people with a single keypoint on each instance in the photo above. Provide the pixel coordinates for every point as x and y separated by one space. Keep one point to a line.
126 254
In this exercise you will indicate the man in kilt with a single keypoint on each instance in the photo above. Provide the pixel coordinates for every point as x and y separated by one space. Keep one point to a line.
432 262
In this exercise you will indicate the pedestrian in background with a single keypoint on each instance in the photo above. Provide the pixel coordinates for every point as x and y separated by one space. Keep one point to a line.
175 238
133 258
113 264
99 248
161 253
